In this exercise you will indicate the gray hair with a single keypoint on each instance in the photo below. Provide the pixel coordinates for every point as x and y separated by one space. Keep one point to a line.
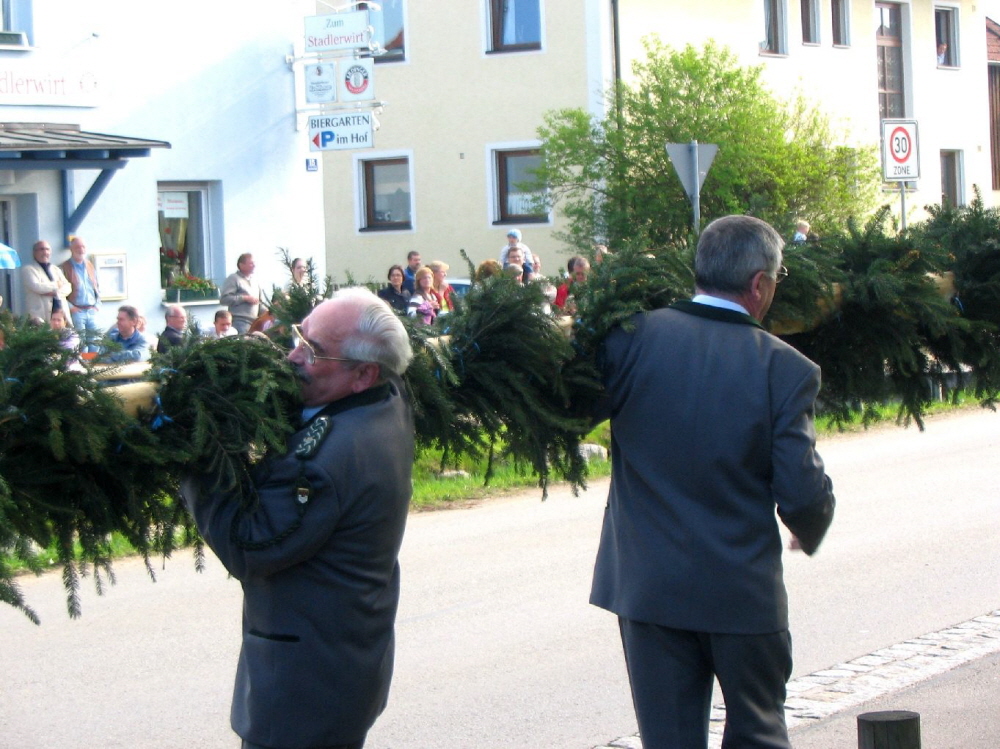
172 309
732 249
379 337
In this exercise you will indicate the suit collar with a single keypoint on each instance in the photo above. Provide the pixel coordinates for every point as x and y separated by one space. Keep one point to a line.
355 400
715 313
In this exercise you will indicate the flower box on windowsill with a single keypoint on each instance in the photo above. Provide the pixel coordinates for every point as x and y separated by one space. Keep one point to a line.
173 296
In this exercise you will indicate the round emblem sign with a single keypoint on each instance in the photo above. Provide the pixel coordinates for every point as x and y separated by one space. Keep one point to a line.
356 79
899 145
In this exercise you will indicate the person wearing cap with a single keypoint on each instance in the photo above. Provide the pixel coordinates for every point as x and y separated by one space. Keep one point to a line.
514 238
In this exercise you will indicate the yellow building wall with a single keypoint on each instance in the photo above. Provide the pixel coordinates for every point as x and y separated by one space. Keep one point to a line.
445 104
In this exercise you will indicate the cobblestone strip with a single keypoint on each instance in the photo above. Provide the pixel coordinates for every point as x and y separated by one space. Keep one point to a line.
819 695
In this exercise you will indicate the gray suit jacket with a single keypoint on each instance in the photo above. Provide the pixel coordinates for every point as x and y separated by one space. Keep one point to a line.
712 429
320 578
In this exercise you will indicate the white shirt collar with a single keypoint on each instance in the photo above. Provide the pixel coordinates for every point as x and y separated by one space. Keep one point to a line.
714 301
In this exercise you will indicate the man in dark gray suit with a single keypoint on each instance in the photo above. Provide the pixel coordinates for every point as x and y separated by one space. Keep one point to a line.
712 430
317 557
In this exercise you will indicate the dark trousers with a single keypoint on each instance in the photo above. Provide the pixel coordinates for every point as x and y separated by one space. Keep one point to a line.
671 672
355 745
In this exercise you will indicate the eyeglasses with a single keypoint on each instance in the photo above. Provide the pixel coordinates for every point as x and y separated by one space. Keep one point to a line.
311 356
781 274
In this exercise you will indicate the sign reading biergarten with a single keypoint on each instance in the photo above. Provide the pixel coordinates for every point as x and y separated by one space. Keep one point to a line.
340 131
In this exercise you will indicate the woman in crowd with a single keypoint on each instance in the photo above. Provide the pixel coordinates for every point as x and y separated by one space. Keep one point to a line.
397 297
488 269
68 338
298 271
423 304
441 288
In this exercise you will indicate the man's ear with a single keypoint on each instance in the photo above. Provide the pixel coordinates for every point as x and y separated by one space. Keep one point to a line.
366 376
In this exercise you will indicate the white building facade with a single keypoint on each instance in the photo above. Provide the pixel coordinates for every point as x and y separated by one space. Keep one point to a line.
860 62
204 161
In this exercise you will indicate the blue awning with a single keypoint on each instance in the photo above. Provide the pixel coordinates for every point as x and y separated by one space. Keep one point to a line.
32 146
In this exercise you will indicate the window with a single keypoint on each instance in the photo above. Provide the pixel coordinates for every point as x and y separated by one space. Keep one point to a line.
15 24
841 22
515 25
388 23
951 178
774 28
810 21
994 87
946 36
889 38
185 231
516 200
387 199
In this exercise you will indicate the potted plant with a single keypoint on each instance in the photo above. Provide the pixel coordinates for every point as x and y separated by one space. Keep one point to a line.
188 288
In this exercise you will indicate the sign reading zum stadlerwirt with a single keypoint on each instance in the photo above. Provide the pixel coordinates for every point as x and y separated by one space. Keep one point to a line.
339 132
337 31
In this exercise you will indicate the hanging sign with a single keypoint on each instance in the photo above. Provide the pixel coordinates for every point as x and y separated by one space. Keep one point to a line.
337 31
321 82
356 81
339 132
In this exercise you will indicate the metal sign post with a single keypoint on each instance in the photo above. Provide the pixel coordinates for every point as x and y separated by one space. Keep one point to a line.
691 162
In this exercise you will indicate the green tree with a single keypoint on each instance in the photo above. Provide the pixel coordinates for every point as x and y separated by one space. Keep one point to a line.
776 160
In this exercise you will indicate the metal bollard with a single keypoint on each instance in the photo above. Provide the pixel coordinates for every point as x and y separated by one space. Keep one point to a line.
889 729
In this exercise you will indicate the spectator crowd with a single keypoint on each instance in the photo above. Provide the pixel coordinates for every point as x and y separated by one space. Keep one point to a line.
67 297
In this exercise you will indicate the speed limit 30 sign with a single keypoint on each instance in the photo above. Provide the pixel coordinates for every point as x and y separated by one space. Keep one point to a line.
900 155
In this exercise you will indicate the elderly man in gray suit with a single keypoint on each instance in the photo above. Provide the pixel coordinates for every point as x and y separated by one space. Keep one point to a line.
318 555
712 431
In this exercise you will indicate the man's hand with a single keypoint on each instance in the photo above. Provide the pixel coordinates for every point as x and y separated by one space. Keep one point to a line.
794 544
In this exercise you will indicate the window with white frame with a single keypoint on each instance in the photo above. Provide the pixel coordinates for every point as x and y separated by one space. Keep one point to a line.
387 203
889 44
15 24
515 25
774 28
946 36
518 198
185 216
810 21
387 19
951 178
841 12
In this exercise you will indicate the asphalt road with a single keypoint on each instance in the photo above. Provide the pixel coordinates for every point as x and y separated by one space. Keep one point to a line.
497 646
